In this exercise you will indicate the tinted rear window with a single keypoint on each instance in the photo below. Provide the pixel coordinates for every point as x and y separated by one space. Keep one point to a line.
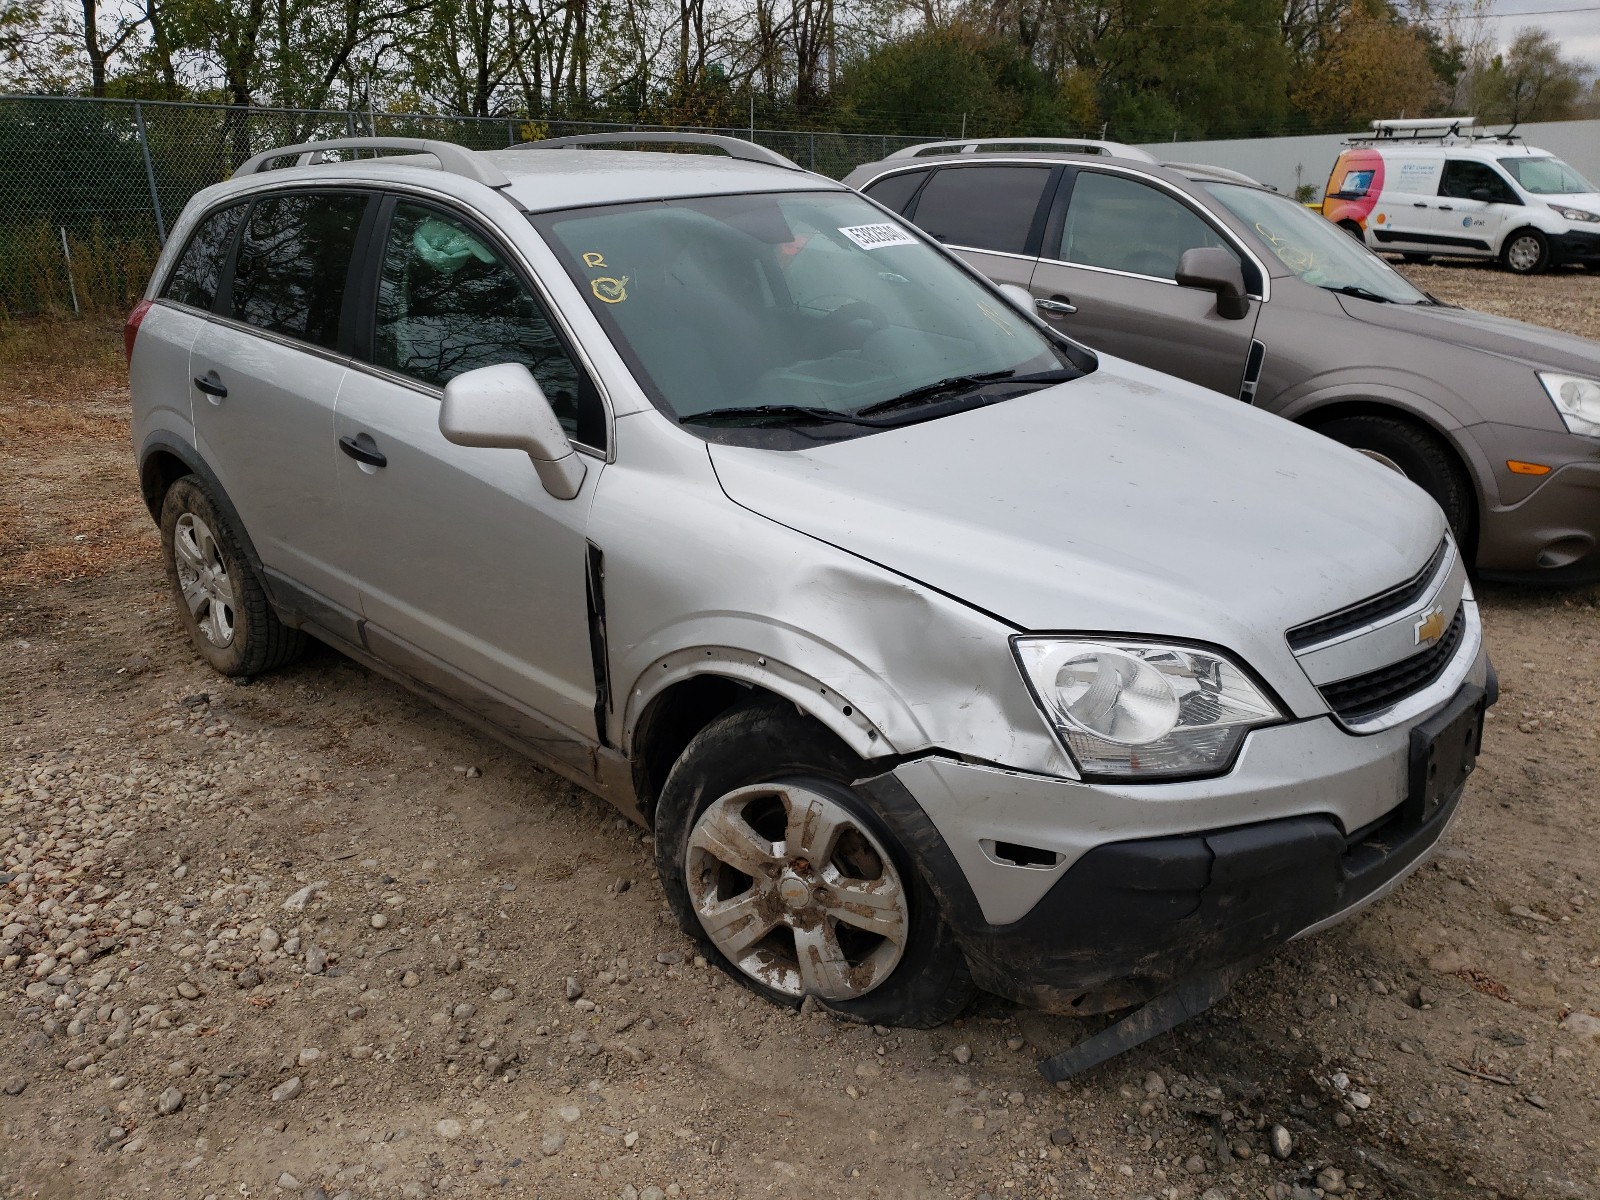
293 261
194 280
990 208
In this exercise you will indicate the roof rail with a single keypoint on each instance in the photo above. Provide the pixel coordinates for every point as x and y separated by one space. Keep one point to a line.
731 146
457 160
1027 145
1226 174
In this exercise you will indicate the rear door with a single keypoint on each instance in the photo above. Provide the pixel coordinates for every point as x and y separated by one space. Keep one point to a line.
1106 277
473 578
265 372
991 214
1403 216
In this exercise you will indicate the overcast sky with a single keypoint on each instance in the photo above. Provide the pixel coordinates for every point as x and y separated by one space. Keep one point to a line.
1578 32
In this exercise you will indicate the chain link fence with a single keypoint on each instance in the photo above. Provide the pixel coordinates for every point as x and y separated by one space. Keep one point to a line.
89 188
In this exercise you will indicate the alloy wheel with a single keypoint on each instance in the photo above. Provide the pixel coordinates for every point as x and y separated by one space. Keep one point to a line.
203 579
797 892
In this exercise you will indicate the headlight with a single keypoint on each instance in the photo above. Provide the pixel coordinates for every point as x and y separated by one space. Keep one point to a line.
1576 214
1141 710
1577 400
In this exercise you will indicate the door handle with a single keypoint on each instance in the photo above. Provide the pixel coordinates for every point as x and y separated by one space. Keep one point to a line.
1447 208
1419 204
363 449
211 384
1055 306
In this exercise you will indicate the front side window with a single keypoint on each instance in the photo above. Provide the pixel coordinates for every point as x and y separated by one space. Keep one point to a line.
293 262
1314 248
753 307
1462 178
1122 224
449 303
988 208
195 279
1546 176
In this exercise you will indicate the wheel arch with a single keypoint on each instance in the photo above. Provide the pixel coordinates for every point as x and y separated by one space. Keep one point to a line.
165 459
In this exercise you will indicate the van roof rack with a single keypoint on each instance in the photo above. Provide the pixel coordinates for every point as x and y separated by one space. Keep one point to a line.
1440 130
457 160
731 146
1026 145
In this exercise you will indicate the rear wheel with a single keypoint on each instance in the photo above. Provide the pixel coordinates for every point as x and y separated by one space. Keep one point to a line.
1353 230
1417 454
220 600
791 881
1526 252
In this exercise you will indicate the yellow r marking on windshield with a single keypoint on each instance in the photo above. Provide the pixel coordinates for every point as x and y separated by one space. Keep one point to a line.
592 259
996 318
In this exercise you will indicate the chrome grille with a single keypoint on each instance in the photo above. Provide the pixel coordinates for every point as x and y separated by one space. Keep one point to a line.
1374 608
1363 695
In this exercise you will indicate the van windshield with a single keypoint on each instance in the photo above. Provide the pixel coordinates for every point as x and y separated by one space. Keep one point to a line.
777 311
1314 248
1546 176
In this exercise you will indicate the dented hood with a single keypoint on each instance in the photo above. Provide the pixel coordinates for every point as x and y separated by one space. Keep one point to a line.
1123 501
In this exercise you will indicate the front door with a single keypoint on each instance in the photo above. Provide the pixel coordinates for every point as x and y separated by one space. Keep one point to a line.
1107 274
265 375
472 575
1466 224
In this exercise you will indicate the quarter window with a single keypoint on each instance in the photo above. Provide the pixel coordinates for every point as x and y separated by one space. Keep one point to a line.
294 258
199 270
988 208
1462 178
895 191
448 303
1125 225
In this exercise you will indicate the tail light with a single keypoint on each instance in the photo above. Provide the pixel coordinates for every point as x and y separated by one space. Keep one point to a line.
131 329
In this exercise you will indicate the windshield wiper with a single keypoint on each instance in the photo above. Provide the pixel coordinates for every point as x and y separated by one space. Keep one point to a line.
780 413
965 383
1361 293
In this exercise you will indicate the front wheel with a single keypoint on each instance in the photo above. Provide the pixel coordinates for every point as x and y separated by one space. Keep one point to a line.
1526 252
1419 456
791 881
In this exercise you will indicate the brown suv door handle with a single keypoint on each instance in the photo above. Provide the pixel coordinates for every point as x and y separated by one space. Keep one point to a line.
363 449
1056 306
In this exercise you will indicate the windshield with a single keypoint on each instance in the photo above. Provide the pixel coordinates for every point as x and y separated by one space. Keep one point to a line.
1314 248
1546 176
781 305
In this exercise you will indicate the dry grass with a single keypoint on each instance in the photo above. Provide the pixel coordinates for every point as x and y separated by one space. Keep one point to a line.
108 270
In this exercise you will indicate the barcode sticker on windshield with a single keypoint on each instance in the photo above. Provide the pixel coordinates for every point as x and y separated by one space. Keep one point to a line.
877 237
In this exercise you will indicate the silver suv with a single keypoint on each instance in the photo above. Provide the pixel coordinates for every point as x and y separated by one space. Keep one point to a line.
937 650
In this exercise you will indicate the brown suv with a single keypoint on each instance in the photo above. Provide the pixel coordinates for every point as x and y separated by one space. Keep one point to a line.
1203 274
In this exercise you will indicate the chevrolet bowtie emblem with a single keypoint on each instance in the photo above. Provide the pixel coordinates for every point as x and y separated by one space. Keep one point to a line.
1430 628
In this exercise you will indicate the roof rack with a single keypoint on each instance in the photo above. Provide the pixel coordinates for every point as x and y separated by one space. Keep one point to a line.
457 160
1430 129
731 146
1028 145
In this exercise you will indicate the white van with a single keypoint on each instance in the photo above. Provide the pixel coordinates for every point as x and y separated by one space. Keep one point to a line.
1432 187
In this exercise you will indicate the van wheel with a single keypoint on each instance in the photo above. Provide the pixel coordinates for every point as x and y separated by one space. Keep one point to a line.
1353 230
1419 259
1418 455
222 603
793 884
1526 252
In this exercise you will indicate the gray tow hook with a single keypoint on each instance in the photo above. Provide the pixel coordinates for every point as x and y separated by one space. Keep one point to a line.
1188 999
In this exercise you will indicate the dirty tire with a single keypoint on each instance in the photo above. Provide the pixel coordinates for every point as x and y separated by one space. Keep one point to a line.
257 641
1421 458
771 743
1526 252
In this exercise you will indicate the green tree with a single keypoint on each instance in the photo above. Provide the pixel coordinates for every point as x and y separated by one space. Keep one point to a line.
1529 82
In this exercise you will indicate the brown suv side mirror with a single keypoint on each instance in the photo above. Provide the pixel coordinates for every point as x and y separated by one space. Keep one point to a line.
1213 269
504 406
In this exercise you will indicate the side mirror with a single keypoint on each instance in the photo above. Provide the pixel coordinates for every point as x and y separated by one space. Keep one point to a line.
1019 296
1483 194
504 407
1213 269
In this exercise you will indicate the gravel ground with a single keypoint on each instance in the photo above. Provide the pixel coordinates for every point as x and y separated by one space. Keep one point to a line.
309 938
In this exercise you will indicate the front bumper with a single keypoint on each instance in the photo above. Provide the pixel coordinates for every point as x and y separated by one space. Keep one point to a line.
1575 247
1550 535
1312 824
